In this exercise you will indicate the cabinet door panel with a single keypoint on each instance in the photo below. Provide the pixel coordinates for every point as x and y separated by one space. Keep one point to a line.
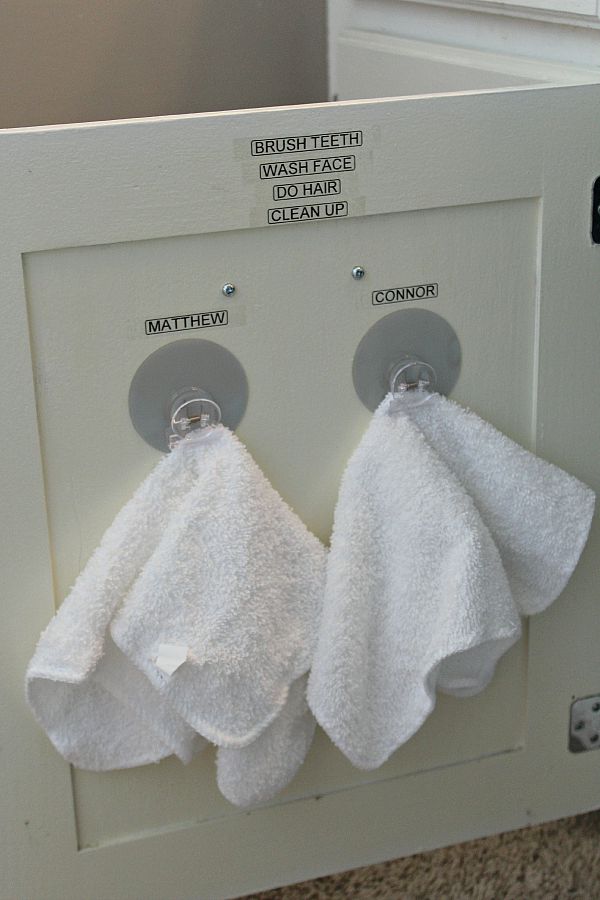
109 225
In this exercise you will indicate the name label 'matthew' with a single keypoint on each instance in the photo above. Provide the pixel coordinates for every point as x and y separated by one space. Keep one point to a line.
187 322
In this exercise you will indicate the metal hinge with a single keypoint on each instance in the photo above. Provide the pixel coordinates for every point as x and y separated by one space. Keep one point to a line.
596 212
584 731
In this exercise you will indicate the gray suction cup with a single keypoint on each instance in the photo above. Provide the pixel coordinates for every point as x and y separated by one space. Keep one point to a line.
407 333
181 368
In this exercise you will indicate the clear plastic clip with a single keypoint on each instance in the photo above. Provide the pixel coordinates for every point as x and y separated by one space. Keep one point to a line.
183 423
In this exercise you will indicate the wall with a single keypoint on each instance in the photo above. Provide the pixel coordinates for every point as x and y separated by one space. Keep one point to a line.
83 60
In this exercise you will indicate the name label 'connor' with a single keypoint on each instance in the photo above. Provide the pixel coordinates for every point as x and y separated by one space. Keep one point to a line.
402 294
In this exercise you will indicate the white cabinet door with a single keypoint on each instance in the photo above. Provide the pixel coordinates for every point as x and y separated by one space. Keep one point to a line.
105 226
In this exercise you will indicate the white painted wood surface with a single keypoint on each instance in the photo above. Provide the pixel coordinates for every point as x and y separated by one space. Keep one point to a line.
369 64
105 225
569 7
519 34
581 11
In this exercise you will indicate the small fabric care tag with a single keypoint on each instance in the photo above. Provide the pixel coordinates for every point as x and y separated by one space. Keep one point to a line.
170 657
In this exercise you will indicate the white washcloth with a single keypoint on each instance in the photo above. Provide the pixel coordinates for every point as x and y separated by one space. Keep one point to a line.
98 710
243 585
256 773
106 717
236 581
416 595
538 515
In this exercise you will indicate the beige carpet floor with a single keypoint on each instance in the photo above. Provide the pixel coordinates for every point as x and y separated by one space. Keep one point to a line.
544 862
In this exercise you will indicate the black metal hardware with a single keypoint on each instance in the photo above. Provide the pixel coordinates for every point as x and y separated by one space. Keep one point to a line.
596 212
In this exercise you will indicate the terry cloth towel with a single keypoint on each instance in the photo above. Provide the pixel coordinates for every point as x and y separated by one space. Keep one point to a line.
256 773
102 714
235 584
98 709
416 595
538 515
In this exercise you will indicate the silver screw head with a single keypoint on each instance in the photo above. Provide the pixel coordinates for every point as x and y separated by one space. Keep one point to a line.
358 272
228 289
